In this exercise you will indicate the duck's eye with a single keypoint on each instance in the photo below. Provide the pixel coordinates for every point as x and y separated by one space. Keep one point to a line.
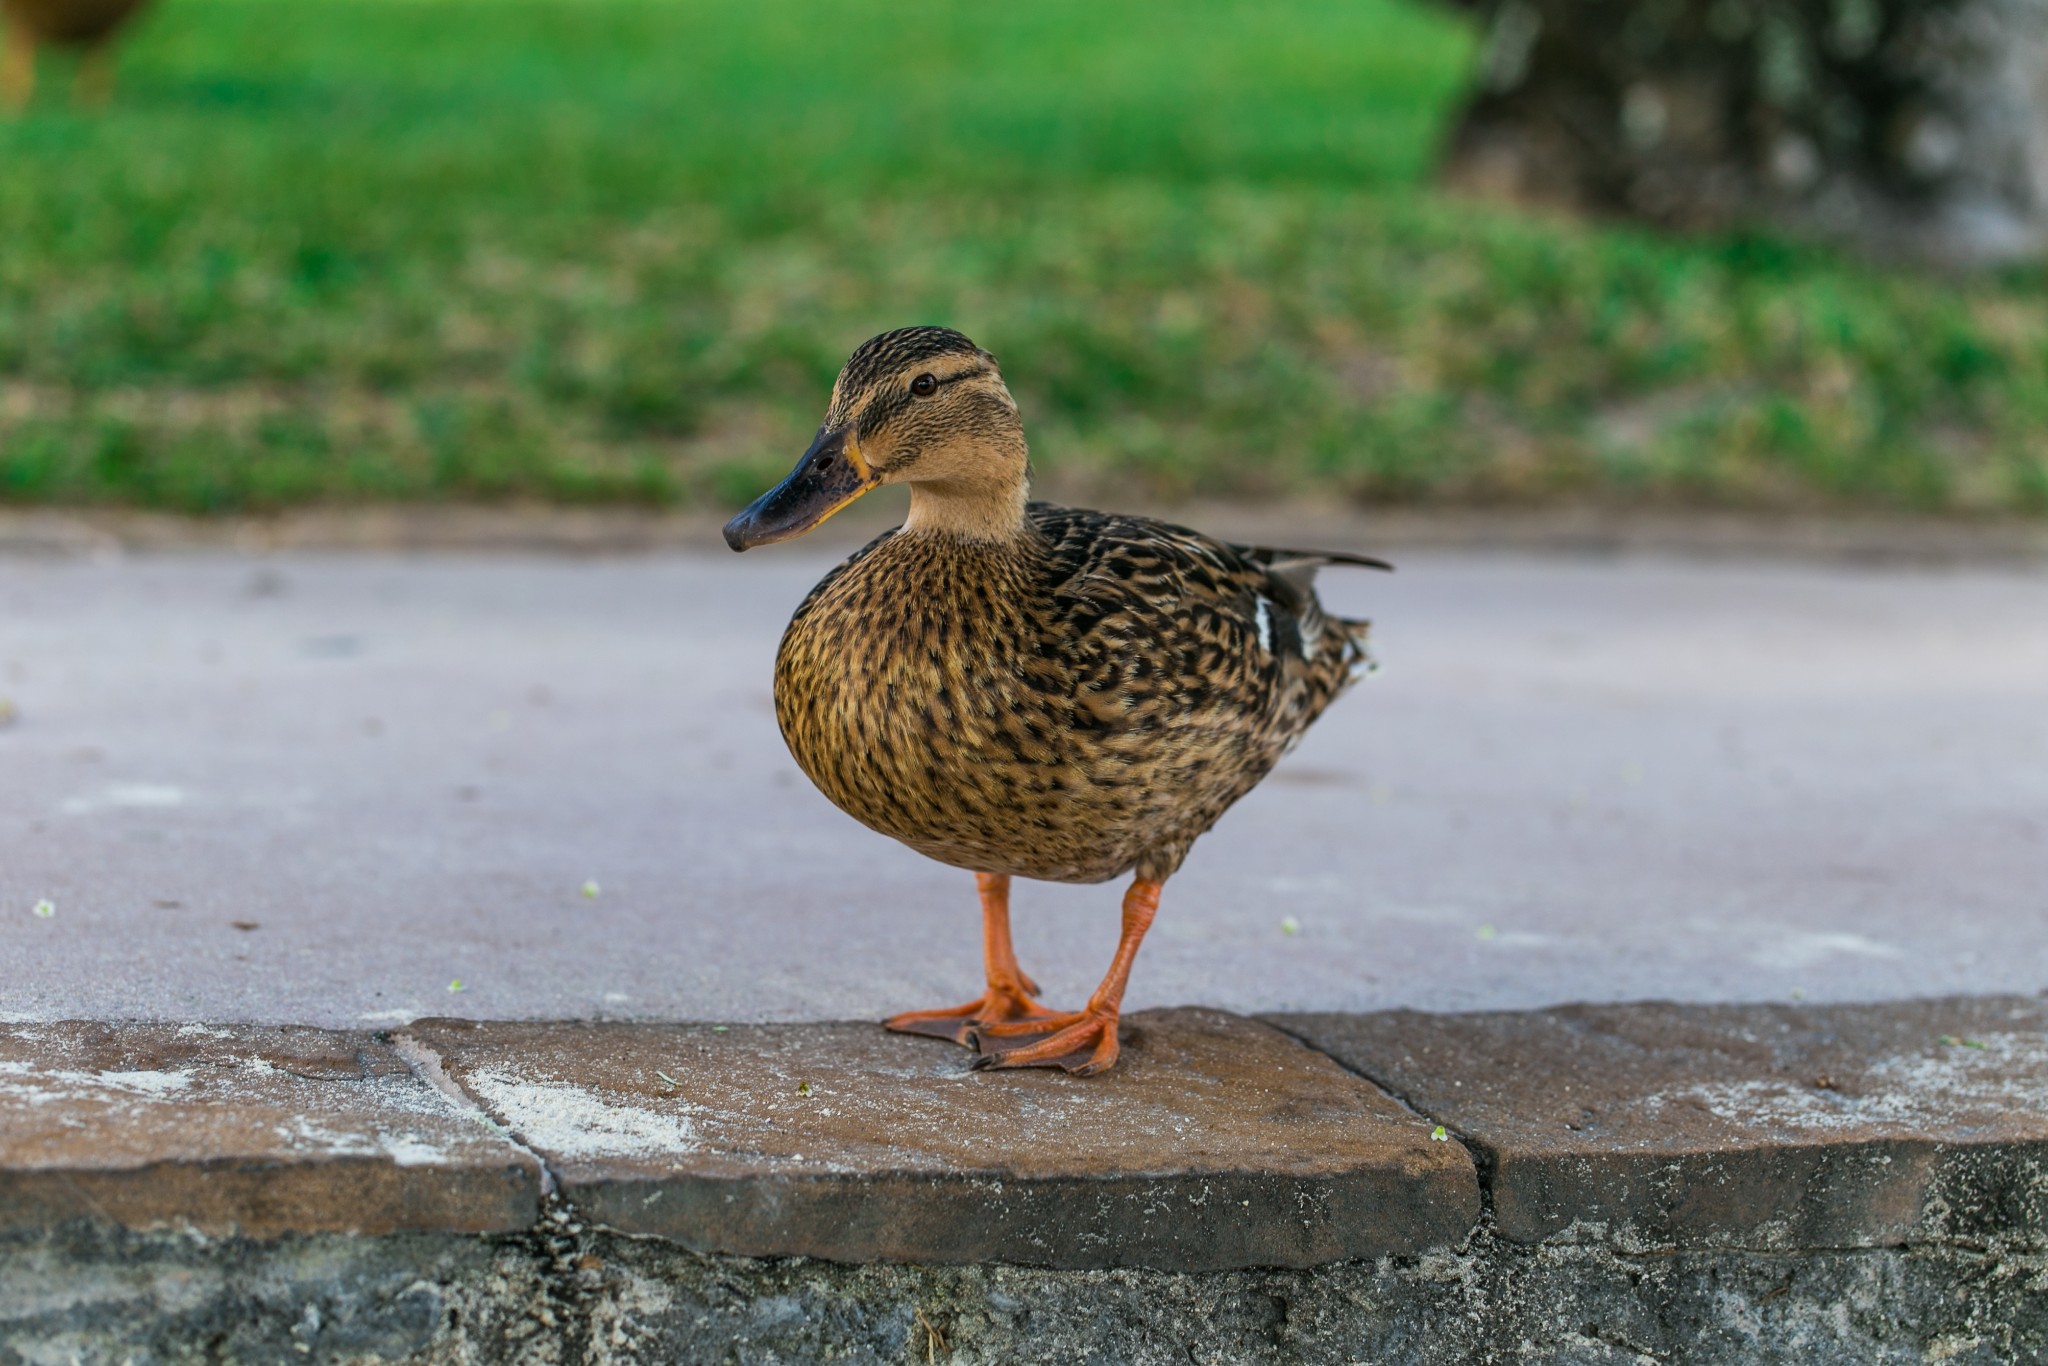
924 386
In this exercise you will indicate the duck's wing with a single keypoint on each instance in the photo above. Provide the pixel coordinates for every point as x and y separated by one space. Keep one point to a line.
1242 622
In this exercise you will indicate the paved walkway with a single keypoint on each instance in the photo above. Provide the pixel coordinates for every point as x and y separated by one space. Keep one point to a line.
325 789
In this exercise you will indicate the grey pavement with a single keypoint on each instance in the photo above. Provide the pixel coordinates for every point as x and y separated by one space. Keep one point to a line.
326 789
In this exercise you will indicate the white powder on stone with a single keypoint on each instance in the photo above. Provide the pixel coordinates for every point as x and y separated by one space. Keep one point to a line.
143 1083
1993 1075
407 1151
569 1121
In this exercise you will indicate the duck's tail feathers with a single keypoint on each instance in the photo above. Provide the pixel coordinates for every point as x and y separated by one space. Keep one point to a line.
1358 660
1292 574
1298 567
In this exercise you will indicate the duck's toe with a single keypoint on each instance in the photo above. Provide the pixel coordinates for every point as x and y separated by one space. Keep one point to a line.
1023 1029
1084 1044
956 1024
994 1009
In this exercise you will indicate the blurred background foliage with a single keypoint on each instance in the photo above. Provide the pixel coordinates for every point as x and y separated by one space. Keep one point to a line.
615 250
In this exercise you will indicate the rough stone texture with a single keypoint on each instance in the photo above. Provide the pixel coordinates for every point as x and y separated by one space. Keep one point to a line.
1971 1285
1902 126
249 1129
1215 1143
400 771
86 1294
1756 1126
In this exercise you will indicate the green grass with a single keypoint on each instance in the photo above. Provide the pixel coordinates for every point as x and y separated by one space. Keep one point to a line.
348 250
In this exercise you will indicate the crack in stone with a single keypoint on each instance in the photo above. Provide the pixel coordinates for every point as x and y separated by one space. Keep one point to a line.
558 1234
1485 1161
556 1238
425 1064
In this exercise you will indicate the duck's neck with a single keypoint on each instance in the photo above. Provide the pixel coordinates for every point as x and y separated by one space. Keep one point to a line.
985 512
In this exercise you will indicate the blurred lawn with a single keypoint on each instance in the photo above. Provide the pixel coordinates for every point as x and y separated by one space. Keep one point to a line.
602 250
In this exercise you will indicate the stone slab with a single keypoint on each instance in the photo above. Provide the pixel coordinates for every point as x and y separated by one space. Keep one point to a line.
324 789
1763 1126
242 1129
1215 1143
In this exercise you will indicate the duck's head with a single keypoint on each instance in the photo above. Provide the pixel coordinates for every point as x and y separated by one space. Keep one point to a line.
922 406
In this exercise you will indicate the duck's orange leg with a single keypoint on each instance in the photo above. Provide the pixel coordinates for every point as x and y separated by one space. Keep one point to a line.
1082 1042
1009 998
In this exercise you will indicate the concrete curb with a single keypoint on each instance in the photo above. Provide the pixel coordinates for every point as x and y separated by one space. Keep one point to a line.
1216 1143
1219 1142
1898 1152
244 1130
1779 1128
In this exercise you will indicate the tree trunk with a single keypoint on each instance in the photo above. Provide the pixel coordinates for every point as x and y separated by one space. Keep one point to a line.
1914 128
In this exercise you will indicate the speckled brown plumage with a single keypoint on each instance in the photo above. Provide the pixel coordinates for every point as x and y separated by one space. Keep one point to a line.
1080 702
1028 690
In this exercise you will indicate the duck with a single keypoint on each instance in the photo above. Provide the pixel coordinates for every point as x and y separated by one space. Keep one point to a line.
84 24
1024 690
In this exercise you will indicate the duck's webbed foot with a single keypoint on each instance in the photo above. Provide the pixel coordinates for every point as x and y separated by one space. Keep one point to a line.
1082 1042
999 1005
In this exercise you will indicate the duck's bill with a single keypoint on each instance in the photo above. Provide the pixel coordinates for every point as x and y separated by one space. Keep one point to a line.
830 475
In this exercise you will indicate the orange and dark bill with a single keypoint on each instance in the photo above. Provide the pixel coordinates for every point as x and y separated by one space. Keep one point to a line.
830 475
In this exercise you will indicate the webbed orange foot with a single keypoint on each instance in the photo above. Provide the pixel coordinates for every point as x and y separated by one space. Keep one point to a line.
1083 1043
1023 1029
997 1007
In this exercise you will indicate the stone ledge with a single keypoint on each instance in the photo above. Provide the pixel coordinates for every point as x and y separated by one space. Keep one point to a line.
242 1129
1219 1142
1756 1126
1215 1143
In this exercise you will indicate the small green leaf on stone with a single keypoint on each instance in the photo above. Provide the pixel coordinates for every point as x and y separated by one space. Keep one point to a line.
1289 925
455 985
591 889
1440 1134
803 1088
45 909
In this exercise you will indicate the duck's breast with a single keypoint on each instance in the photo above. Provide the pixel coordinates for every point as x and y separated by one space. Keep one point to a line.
919 700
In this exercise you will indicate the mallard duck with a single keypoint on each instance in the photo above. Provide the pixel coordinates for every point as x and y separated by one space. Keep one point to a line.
83 24
1024 690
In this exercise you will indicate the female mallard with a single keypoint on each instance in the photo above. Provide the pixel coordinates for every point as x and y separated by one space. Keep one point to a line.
1026 690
